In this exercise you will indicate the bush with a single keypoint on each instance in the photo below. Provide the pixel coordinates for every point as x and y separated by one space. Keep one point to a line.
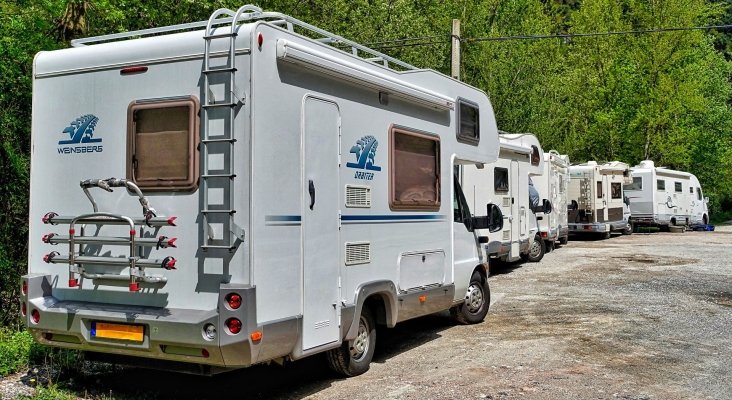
18 350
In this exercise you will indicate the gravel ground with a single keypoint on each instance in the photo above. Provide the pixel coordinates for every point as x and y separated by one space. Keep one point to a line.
646 316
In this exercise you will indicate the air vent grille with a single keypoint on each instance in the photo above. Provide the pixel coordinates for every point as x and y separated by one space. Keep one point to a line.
358 196
507 235
358 253
506 202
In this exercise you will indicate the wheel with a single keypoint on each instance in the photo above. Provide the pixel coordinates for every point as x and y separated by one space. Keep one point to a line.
353 357
537 249
628 230
564 240
605 235
549 246
704 219
477 302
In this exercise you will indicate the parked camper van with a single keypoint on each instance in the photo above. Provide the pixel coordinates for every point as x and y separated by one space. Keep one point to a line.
273 196
506 183
596 198
663 197
552 185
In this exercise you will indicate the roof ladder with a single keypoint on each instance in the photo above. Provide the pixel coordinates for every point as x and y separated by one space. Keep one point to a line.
217 136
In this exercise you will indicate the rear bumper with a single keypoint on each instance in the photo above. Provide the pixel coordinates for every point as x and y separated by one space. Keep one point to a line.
169 334
589 228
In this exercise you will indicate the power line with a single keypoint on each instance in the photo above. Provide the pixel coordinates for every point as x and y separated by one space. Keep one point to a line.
420 41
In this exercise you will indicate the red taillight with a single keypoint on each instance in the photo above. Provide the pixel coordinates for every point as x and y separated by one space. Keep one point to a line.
24 288
23 309
204 353
234 325
234 300
544 235
260 40
35 316
132 70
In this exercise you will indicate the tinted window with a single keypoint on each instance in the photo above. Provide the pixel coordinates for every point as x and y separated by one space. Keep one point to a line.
616 191
599 190
698 193
535 156
500 179
677 187
636 185
415 171
660 184
468 122
162 137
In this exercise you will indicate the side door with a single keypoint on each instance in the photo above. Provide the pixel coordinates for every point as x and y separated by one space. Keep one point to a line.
320 231
518 210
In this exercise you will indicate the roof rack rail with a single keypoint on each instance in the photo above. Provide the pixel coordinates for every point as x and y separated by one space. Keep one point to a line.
249 13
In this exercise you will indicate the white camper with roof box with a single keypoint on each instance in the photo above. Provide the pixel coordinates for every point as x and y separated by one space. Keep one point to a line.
553 185
596 198
506 184
248 193
665 197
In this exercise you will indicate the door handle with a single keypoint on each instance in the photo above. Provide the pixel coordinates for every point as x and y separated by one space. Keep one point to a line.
311 190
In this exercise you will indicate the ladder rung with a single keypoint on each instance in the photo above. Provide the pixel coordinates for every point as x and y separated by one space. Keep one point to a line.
111 240
220 35
65 219
218 140
218 211
230 176
218 105
207 247
215 70
117 261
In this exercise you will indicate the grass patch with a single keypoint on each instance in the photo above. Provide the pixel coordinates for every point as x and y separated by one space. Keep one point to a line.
18 350
52 392
721 216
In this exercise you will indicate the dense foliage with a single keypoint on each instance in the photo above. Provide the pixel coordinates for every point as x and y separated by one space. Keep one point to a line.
661 96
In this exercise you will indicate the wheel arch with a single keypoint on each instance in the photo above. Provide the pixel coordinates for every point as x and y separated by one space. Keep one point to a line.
381 297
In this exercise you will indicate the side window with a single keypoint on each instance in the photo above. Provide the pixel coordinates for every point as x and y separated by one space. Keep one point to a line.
636 185
468 126
616 190
500 180
660 184
698 193
162 137
415 169
677 187
535 156
691 189
599 190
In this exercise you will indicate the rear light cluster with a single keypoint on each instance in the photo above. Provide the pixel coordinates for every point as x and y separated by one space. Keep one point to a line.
233 300
233 325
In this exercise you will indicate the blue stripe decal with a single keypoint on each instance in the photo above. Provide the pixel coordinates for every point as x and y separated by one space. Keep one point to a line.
283 218
393 217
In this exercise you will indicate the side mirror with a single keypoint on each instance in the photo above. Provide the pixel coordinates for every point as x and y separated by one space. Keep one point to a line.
706 200
626 200
495 217
573 205
547 206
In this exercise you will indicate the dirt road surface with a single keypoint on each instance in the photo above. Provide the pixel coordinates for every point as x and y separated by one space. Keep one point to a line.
645 316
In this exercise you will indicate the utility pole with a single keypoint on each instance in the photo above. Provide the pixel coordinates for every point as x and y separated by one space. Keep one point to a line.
455 49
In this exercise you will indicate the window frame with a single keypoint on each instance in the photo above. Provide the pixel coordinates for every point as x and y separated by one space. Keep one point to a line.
678 187
397 205
190 184
598 186
620 191
508 182
663 186
462 138
535 157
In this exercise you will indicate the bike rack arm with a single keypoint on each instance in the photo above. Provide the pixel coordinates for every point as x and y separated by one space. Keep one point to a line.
108 184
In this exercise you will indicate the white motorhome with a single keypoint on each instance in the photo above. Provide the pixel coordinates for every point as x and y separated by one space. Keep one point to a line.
596 198
291 195
662 197
506 183
552 185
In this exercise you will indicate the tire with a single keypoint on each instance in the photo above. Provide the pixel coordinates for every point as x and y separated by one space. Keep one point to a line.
628 230
564 240
705 220
549 246
354 356
476 304
537 248
605 235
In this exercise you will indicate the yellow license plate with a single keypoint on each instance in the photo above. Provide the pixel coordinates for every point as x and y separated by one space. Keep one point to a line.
106 330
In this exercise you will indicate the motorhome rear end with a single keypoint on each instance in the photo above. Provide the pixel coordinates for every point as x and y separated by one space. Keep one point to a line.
552 185
596 195
662 197
291 195
506 184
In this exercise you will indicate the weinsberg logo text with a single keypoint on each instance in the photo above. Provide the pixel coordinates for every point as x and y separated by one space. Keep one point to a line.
81 132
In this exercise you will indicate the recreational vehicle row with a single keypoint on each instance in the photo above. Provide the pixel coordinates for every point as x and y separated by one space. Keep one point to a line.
251 193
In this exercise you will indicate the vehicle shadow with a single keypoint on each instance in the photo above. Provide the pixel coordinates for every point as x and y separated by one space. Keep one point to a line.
501 267
294 380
